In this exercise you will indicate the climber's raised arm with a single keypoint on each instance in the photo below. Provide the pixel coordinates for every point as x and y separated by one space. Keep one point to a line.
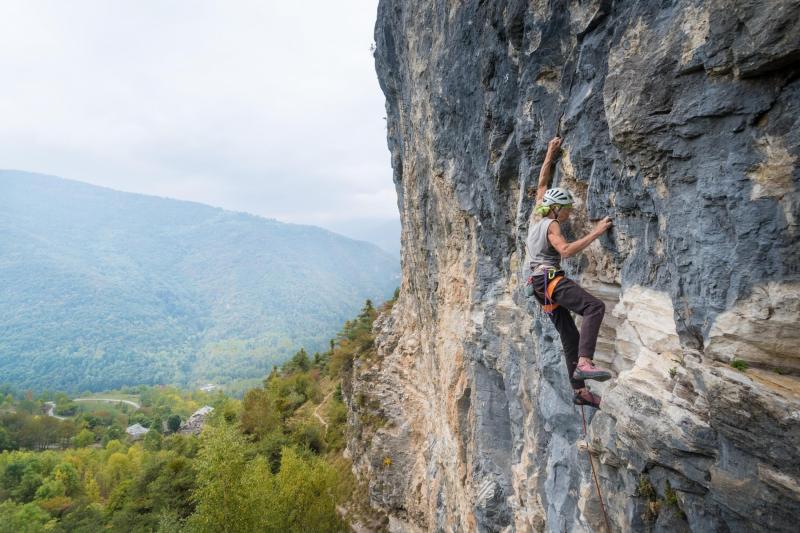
547 168
568 249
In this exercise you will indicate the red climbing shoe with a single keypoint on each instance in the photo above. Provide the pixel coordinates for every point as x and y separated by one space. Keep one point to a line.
589 371
586 397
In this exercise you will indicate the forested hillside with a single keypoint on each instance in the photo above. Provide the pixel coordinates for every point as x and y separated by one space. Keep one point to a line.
100 288
271 462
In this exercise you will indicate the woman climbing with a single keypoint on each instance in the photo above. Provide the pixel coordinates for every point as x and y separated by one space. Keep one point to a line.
557 294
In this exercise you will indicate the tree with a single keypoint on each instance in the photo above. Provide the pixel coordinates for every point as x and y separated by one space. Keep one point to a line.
221 494
91 488
7 442
114 446
300 361
28 485
68 475
338 394
83 439
174 423
259 414
152 441
368 309
308 436
118 468
61 398
27 518
305 497
354 341
157 424
27 406
113 433
271 446
83 518
51 488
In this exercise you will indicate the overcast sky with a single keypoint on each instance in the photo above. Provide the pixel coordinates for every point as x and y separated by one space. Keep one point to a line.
269 107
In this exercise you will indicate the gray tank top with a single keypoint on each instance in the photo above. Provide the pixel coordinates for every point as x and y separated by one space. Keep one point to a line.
541 254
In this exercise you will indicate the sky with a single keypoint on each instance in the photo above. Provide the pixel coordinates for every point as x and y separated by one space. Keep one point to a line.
268 107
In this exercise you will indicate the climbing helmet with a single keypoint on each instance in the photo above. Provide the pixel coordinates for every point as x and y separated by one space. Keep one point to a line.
558 196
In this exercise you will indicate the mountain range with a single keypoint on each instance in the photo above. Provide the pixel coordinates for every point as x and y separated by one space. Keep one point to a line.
101 288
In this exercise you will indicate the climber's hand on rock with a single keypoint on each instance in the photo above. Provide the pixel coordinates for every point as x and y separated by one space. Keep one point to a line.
553 146
602 226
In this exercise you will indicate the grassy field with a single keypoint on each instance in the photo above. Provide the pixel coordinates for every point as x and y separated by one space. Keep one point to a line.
115 396
105 407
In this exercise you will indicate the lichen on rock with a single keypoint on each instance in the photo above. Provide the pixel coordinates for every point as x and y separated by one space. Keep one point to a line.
680 121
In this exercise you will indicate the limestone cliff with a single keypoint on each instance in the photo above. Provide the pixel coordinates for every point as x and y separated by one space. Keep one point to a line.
681 121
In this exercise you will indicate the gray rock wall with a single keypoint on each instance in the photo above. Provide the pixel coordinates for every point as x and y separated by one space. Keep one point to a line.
680 120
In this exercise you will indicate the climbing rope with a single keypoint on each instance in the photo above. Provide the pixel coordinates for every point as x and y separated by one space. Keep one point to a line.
594 474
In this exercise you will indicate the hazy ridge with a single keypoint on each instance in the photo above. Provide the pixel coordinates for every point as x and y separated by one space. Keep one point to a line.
100 288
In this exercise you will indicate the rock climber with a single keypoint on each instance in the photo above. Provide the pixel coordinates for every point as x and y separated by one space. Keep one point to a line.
558 294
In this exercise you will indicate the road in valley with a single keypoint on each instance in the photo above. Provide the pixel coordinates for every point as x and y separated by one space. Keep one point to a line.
51 406
110 400
51 410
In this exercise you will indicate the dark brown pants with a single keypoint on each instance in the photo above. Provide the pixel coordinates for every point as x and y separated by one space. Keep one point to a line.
571 297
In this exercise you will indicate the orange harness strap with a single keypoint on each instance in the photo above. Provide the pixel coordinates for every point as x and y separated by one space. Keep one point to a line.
551 287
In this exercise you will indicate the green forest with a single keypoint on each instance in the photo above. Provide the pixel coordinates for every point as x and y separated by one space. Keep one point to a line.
266 462
103 289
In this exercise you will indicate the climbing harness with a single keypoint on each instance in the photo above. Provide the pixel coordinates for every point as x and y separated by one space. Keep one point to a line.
554 276
594 474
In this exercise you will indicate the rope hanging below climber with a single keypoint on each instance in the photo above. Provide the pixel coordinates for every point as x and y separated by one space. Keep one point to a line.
594 473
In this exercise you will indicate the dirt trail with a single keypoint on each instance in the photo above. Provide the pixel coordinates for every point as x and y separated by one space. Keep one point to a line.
316 411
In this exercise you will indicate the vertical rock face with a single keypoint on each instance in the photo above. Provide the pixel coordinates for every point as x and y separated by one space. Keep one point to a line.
681 121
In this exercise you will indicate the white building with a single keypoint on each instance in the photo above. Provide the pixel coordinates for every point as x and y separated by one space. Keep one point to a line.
136 431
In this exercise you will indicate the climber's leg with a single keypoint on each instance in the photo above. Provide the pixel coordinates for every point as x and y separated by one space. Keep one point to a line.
567 330
572 296
570 340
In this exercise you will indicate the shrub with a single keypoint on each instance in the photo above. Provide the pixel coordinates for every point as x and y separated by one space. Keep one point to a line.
739 365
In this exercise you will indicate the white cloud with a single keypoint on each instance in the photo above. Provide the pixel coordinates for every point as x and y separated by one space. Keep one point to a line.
268 107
